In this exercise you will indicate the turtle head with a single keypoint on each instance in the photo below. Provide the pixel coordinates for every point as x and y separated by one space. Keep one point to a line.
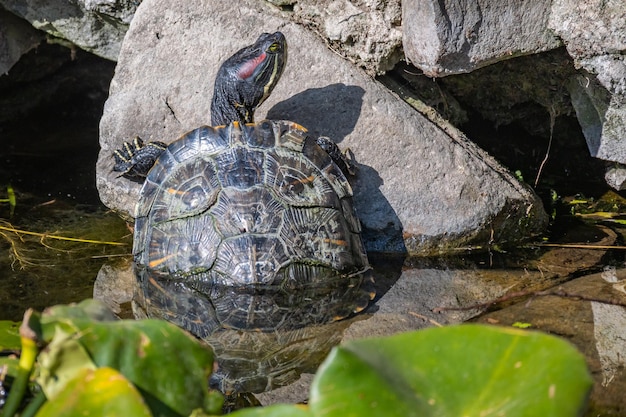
247 78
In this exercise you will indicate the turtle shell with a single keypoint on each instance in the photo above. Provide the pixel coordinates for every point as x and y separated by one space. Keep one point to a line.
256 204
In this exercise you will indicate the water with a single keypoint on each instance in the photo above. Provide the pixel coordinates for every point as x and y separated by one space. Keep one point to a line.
49 155
49 136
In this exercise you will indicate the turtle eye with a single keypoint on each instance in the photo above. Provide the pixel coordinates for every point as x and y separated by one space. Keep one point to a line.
273 47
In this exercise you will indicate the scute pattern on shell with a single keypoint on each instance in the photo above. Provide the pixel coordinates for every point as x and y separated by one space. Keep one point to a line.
247 205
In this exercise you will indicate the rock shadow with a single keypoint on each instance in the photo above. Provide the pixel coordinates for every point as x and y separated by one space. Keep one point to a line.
331 111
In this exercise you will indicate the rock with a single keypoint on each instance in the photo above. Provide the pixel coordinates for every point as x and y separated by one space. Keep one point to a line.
115 285
615 177
16 38
420 187
52 75
601 112
453 37
97 26
589 28
282 3
594 33
521 91
368 32
444 38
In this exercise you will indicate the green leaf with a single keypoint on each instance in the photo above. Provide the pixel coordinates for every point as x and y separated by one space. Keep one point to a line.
468 370
10 340
100 392
61 362
86 309
9 335
169 366
10 364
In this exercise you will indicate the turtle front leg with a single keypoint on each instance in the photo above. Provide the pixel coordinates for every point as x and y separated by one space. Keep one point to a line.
345 163
136 158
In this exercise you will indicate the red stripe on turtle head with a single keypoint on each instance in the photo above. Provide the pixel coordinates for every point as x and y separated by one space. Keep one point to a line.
247 68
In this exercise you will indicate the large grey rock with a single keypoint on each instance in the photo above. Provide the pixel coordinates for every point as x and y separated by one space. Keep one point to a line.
16 38
451 37
421 187
594 32
97 26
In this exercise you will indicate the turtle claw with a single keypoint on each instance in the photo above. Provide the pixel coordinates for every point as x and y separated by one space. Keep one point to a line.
135 159
344 160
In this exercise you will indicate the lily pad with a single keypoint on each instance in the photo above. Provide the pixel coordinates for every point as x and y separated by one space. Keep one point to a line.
100 392
169 367
467 370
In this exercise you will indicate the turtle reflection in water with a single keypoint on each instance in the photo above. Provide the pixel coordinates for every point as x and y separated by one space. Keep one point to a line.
246 220
262 338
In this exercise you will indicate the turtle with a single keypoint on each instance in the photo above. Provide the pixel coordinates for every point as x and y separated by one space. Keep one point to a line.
245 204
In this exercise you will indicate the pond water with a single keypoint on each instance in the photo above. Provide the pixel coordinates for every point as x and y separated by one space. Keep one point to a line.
48 160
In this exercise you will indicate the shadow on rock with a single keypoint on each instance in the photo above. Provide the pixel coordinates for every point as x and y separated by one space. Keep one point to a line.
383 230
331 111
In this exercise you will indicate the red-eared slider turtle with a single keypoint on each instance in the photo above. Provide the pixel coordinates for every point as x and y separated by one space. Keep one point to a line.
244 204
